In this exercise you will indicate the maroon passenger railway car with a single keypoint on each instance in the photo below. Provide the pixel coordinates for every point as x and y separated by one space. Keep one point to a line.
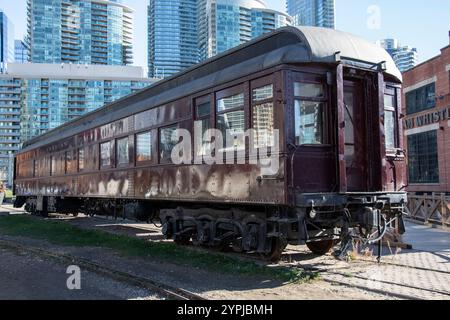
335 101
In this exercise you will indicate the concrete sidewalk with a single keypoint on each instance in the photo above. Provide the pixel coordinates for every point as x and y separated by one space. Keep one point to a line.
427 238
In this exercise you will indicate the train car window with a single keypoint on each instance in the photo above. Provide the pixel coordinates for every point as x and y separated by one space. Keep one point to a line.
123 156
309 115
263 120
203 117
229 103
67 162
166 143
349 124
80 159
52 165
144 147
390 123
309 90
263 124
203 110
231 122
263 93
105 154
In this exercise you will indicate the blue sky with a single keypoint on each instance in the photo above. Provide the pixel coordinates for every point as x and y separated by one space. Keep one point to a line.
421 24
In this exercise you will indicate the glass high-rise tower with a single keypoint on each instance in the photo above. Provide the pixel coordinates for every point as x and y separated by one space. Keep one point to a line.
172 36
6 41
405 57
225 24
80 32
182 33
21 51
35 98
316 13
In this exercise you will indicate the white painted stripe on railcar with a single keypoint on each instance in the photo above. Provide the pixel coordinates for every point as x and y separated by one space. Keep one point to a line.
431 127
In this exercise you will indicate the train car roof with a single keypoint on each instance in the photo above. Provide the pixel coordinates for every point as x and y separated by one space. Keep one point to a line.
288 45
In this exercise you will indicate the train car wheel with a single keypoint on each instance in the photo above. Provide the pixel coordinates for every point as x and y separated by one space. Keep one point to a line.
276 251
236 245
43 214
321 247
182 240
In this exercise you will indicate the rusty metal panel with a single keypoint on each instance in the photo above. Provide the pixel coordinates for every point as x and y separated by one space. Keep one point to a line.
113 184
58 186
71 162
114 129
92 155
238 183
88 137
379 145
25 169
144 187
105 184
26 188
314 170
131 186
396 175
62 145
84 185
339 94
146 119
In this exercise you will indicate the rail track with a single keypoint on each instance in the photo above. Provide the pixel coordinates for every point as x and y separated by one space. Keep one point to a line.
163 290
327 275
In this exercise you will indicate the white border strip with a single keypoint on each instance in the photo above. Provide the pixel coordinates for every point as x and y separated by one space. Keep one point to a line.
447 68
430 127
449 123
419 84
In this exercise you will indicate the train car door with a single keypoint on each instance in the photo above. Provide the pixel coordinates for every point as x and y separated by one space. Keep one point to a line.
355 137
313 162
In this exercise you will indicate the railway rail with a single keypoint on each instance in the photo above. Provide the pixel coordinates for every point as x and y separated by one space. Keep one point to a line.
163 290
352 276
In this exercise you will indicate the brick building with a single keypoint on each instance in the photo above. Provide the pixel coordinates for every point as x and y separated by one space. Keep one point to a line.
426 109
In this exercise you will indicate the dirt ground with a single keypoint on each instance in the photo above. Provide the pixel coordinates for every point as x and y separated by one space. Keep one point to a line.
420 273
401 276
208 284
25 276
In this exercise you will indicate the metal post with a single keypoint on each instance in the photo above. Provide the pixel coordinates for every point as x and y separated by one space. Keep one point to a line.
443 210
379 235
10 170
